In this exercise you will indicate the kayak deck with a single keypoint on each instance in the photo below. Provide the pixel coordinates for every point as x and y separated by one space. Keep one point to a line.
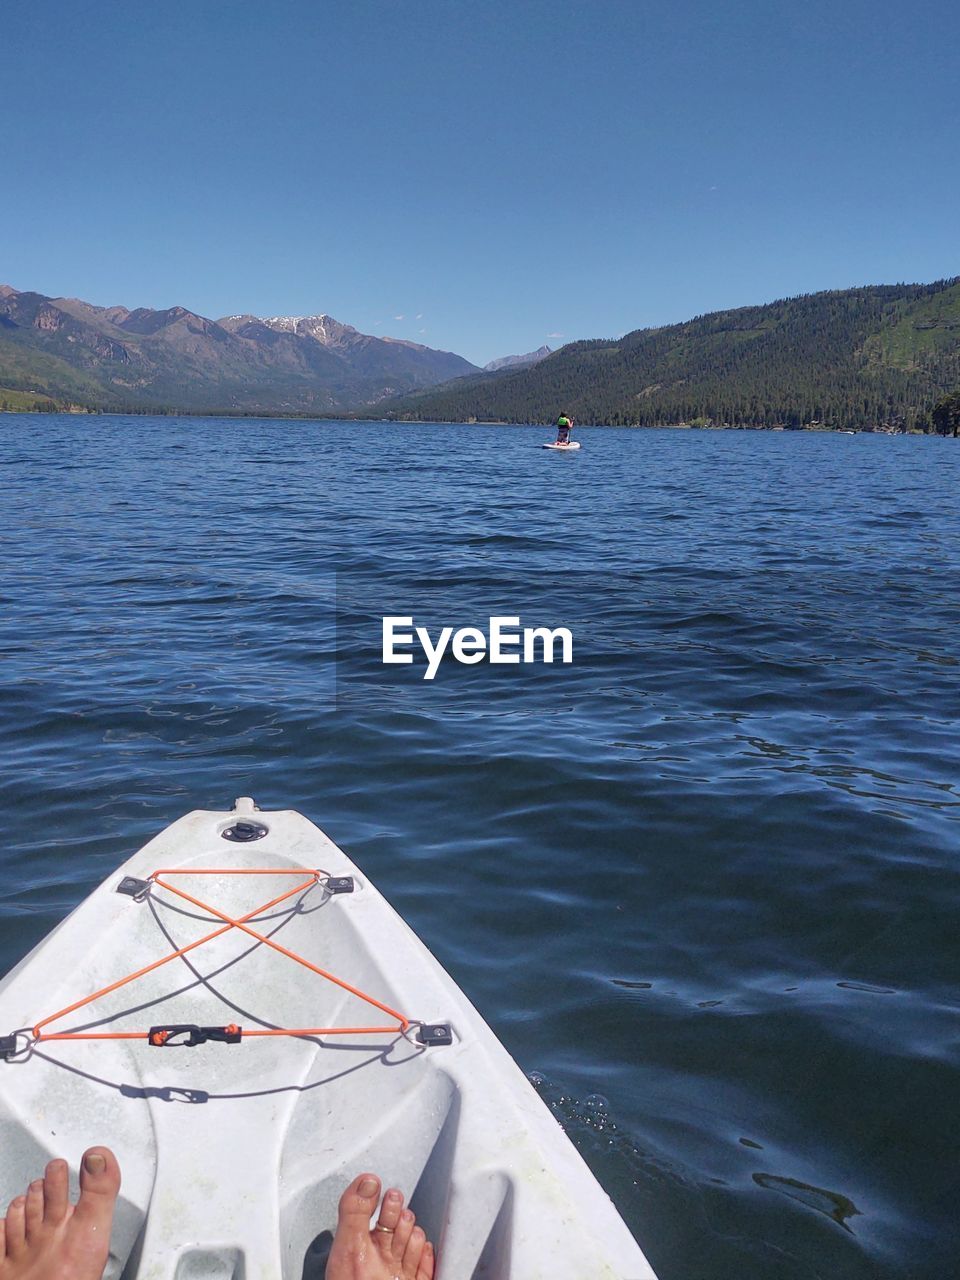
234 1151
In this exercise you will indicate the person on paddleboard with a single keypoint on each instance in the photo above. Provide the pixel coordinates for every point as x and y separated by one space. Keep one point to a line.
564 427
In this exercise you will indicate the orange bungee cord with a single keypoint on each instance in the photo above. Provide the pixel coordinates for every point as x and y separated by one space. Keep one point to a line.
188 1034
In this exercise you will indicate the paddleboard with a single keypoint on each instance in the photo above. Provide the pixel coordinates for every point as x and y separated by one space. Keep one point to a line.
563 448
244 1019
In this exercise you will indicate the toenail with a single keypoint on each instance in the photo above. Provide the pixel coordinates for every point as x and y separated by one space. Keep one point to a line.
94 1163
367 1187
407 1215
393 1195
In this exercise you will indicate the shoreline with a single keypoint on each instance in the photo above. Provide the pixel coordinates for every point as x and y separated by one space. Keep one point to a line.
77 411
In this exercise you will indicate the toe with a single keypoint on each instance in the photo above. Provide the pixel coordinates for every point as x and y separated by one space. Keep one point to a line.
99 1187
16 1227
391 1209
387 1219
427 1261
3 1238
56 1192
358 1203
33 1210
401 1236
413 1253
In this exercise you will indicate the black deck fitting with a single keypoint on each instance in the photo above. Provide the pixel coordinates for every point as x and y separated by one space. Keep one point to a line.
435 1033
8 1047
243 832
133 887
339 884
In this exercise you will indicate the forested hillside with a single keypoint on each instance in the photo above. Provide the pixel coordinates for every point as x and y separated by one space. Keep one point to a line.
856 358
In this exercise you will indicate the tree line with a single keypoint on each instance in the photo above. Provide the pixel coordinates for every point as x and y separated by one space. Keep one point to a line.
855 359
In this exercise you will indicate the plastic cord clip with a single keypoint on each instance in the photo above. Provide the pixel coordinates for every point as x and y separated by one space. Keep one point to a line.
186 1035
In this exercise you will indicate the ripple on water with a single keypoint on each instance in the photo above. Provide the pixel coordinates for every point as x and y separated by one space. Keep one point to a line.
703 883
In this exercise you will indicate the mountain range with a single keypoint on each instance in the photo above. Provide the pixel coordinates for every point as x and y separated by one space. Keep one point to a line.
513 362
879 356
174 359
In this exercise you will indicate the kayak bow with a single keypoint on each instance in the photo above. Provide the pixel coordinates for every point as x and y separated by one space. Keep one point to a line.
282 1029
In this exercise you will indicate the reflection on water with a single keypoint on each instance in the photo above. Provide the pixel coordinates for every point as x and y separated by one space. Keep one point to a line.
834 1205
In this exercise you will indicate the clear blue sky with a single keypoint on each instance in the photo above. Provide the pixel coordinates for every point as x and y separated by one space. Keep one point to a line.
479 175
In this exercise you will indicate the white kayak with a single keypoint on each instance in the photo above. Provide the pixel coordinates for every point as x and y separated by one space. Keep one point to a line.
235 1137
574 444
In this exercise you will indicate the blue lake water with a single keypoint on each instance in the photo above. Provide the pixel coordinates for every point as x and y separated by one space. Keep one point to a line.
704 883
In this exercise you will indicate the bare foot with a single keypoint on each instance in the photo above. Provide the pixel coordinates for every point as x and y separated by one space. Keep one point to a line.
45 1237
396 1249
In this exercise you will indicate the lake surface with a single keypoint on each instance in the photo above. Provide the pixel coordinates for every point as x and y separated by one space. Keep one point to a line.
704 883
